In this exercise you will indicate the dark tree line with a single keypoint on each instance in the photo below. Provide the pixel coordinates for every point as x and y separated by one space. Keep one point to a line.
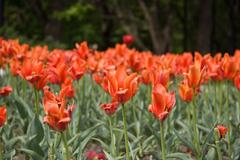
158 25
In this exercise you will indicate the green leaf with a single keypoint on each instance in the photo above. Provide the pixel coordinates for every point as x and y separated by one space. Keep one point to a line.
184 141
36 128
23 108
10 143
32 153
84 133
211 154
109 157
181 156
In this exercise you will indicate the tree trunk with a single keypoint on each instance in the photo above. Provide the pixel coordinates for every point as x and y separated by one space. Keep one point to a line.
204 26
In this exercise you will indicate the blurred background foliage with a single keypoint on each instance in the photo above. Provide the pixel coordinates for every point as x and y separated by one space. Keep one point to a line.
157 25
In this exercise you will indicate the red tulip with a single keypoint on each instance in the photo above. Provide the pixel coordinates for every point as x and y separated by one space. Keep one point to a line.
93 155
5 91
128 39
3 115
110 108
222 130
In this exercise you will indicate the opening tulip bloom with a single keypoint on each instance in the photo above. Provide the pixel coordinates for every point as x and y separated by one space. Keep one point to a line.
110 108
5 91
121 86
57 116
3 115
162 102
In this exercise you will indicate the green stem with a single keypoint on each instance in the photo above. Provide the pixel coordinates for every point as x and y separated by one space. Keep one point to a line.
113 149
215 102
196 135
125 131
67 157
220 101
238 107
228 120
216 135
188 108
36 94
1 150
162 140
81 87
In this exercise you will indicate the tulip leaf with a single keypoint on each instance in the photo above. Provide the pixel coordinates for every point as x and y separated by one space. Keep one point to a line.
32 153
184 140
108 156
36 128
180 156
23 108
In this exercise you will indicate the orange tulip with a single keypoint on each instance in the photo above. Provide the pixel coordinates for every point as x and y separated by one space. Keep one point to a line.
58 74
67 89
121 86
3 115
162 102
77 68
229 67
5 91
57 116
161 76
194 76
186 93
31 70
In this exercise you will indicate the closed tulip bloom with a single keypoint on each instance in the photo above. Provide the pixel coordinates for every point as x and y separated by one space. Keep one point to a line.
5 91
121 86
162 102
222 130
194 75
128 39
186 93
3 115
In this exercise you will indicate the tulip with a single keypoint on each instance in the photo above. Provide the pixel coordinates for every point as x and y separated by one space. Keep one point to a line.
5 91
162 102
3 115
222 130
121 86
128 39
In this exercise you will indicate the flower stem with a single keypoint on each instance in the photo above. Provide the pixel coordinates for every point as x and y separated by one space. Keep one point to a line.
36 94
216 135
67 157
220 101
228 120
196 135
162 140
125 131
1 150
113 151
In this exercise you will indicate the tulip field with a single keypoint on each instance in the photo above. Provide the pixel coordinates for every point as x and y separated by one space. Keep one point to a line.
117 104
